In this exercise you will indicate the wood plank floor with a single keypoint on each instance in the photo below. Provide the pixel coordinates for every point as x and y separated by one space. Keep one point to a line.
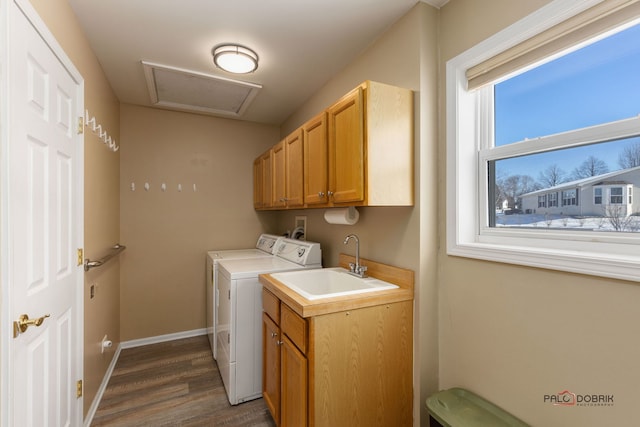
176 383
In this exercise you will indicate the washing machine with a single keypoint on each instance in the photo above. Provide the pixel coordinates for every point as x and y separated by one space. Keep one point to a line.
239 327
265 247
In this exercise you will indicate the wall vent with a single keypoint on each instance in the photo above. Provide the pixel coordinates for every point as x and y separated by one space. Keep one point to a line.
186 90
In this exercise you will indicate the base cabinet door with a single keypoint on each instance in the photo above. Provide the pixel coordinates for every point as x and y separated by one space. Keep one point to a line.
294 386
271 366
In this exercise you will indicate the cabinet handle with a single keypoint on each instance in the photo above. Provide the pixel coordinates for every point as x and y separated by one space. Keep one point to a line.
279 342
321 194
274 334
330 193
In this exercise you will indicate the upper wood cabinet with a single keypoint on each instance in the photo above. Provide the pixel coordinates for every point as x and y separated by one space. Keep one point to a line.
257 183
359 151
294 175
287 176
345 136
316 150
262 185
278 162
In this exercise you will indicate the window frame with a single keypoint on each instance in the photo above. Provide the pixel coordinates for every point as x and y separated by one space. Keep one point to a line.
597 194
619 197
468 127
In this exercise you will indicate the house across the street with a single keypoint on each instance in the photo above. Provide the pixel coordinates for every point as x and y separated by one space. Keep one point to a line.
609 194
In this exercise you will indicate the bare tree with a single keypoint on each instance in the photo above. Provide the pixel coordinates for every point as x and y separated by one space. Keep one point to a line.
552 176
513 186
616 215
630 156
590 167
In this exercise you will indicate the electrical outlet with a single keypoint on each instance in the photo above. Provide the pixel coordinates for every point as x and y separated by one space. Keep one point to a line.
102 345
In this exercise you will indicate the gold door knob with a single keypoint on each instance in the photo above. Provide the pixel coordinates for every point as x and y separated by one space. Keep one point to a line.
22 324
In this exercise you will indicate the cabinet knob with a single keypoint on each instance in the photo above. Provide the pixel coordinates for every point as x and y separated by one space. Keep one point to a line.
321 194
274 334
279 342
330 193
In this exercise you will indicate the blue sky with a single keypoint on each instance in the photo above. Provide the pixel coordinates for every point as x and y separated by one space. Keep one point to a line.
594 85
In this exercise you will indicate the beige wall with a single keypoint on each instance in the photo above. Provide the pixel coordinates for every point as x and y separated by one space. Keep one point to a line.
167 233
101 196
406 56
514 334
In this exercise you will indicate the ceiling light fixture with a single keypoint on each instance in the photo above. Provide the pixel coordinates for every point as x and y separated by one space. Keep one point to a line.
235 58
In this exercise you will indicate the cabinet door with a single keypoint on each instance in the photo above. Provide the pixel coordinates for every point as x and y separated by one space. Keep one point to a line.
293 175
294 386
278 175
271 366
257 183
267 185
315 160
346 148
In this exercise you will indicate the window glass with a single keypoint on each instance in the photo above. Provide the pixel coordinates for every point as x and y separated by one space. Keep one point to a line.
597 196
616 196
596 84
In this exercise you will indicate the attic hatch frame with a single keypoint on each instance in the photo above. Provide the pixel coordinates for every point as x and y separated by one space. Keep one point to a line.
242 93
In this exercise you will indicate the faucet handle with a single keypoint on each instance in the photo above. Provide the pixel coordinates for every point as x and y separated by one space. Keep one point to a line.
352 267
362 271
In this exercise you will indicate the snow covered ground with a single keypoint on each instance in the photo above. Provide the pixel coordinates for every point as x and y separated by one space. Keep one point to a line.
630 224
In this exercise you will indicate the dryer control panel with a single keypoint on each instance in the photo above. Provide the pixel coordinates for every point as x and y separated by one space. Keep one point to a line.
300 252
268 243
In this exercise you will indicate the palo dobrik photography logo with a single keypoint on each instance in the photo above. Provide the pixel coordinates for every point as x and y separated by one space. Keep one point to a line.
564 398
567 398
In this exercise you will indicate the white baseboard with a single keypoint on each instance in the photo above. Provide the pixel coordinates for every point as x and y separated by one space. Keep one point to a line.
131 344
163 338
103 386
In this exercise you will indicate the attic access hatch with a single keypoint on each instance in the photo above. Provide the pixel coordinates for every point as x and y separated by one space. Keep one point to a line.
186 90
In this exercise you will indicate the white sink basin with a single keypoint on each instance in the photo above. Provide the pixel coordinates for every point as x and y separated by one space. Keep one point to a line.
329 282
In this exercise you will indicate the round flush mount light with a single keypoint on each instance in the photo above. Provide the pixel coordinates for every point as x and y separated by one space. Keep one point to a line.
235 59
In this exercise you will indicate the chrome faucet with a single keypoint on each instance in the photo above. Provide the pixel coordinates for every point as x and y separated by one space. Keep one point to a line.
356 269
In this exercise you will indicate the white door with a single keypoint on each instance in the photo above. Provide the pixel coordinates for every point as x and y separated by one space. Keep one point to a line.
45 171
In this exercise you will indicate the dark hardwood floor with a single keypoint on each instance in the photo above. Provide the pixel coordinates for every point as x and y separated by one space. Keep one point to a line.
176 383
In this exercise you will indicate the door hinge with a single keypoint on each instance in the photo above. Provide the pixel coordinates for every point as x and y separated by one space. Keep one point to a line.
79 388
80 256
80 125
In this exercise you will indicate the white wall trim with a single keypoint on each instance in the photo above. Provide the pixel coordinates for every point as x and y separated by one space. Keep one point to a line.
103 386
163 338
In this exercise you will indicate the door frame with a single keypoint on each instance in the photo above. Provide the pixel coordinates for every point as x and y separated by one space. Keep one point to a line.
6 323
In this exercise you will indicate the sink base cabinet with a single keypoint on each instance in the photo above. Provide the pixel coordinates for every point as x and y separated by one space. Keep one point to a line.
348 368
361 370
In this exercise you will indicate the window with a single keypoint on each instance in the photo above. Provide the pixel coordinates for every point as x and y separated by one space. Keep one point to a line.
517 130
597 195
630 192
542 201
569 198
615 196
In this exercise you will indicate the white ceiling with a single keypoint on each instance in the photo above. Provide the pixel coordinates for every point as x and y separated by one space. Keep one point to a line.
301 43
